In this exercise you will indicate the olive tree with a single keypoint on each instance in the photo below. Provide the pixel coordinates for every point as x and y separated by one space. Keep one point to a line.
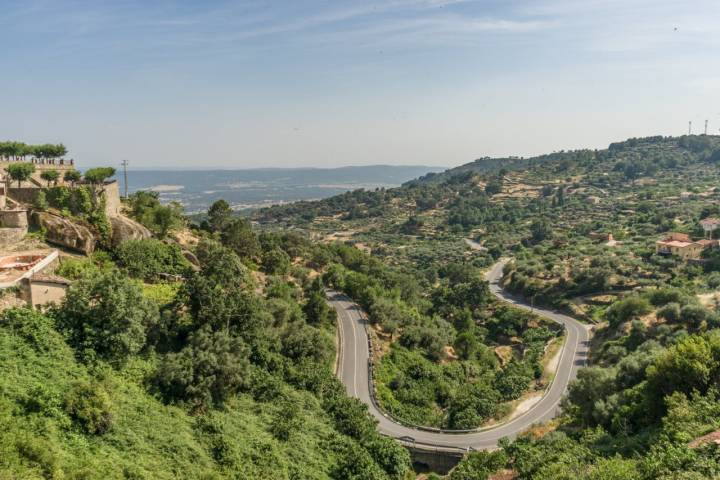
20 172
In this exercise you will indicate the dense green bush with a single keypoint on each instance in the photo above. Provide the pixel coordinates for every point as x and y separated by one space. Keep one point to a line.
206 372
148 258
90 406
106 315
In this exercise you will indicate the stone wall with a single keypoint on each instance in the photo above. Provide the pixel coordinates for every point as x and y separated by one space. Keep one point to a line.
44 291
113 205
39 168
14 219
11 236
26 195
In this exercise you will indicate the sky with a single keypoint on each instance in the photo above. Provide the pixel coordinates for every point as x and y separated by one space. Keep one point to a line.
309 83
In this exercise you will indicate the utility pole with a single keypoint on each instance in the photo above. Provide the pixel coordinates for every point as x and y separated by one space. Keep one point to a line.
706 122
124 164
690 127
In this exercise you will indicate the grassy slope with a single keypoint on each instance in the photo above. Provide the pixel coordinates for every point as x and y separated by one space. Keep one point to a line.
148 439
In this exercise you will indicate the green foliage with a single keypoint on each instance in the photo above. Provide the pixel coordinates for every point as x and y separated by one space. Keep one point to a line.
148 258
624 310
72 176
275 262
219 215
316 308
41 202
77 268
90 406
50 176
20 172
145 207
106 316
473 404
98 175
206 372
479 465
239 237
540 230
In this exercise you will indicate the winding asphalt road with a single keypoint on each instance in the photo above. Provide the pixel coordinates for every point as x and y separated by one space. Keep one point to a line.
354 362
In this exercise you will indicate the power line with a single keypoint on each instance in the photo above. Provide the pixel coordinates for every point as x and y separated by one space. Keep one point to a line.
124 163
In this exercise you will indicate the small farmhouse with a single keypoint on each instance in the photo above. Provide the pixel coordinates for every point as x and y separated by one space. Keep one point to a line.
709 225
681 245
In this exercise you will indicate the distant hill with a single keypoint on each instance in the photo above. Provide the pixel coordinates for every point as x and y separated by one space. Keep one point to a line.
620 162
197 189
646 147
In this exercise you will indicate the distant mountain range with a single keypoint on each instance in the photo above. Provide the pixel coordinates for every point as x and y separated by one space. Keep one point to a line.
252 188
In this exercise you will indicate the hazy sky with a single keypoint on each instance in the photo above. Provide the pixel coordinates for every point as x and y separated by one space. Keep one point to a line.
330 83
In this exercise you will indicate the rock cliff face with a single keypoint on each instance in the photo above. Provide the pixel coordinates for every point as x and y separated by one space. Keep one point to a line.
65 233
124 228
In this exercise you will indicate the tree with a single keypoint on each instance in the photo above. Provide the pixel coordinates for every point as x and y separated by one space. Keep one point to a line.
466 345
72 176
479 465
390 455
694 315
221 297
219 214
473 404
20 171
494 186
511 385
148 258
540 230
689 365
275 262
213 366
386 313
106 315
632 171
98 175
166 218
355 463
238 236
593 385
623 310
50 176
302 342
316 308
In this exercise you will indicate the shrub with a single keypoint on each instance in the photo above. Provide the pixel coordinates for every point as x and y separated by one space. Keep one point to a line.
275 262
623 310
106 315
89 405
206 372
670 312
148 258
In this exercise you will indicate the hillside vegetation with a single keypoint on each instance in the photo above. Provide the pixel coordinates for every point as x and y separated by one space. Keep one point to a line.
581 228
222 372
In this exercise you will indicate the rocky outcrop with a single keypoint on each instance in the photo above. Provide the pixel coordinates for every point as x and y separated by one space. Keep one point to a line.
190 257
64 232
124 228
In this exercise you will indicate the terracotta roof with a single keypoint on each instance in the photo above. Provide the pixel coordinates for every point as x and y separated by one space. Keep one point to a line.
674 243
